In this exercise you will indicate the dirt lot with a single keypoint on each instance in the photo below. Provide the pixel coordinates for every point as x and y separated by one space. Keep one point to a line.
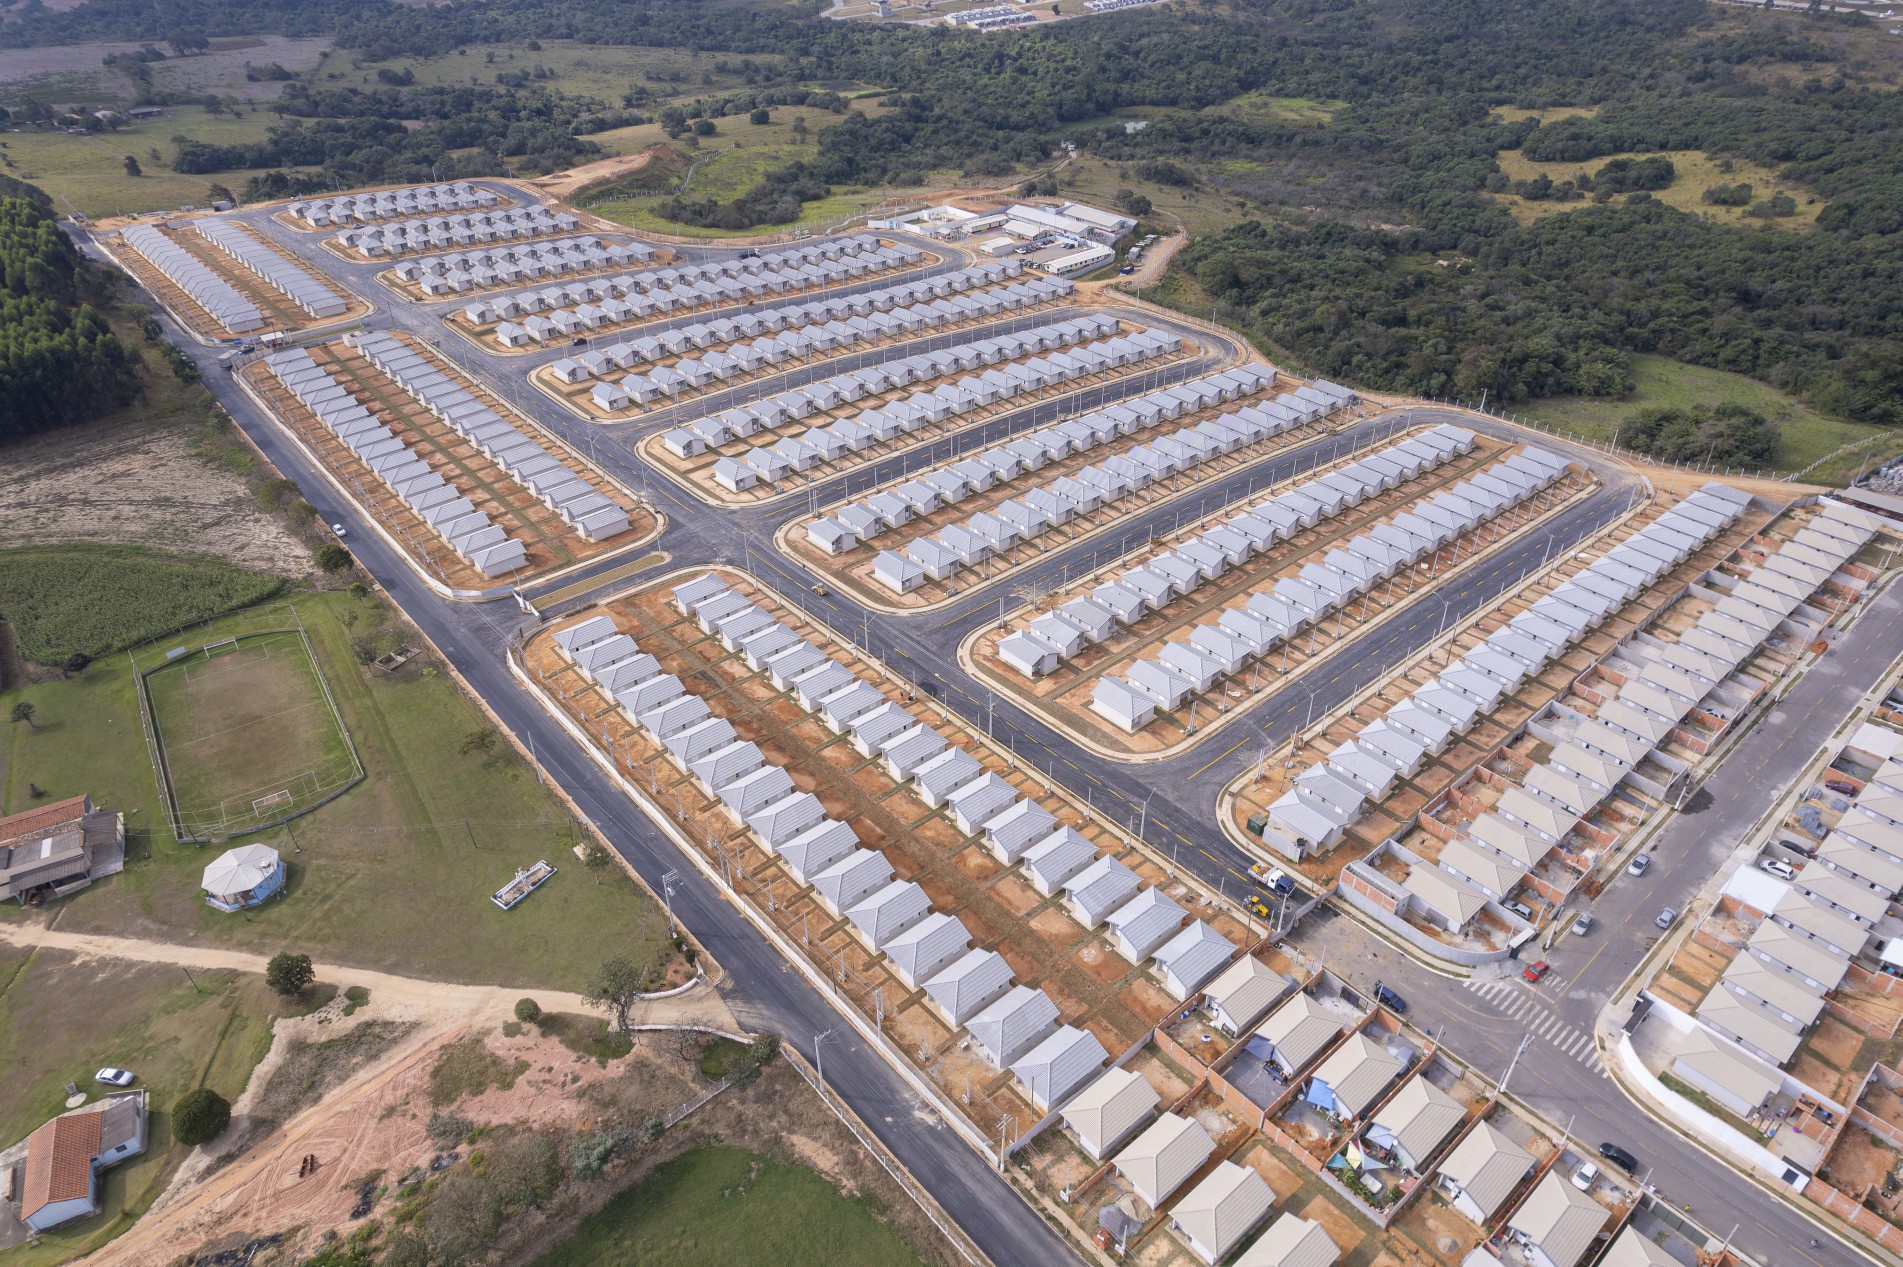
138 483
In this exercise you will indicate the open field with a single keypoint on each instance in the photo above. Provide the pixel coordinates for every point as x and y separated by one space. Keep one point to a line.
87 173
719 1205
1660 382
394 875
1696 172
144 1017
248 733
67 600
74 74
589 70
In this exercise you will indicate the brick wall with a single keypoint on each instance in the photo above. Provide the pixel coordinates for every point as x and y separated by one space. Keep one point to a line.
1885 1234
1351 880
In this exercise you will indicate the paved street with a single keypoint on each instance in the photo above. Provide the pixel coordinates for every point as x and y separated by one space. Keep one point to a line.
1483 1022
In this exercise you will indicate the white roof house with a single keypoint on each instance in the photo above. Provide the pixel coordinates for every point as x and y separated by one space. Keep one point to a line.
1292 1241
918 953
889 911
1299 1030
1157 1162
1237 998
814 850
1482 1171
1013 1025
1060 1064
1558 1222
842 885
1099 889
1353 1077
1106 1112
1221 1210
1415 1121
1191 958
1141 925
968 985
1056 859
1633 1249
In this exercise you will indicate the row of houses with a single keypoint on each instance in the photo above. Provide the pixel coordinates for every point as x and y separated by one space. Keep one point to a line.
1067 360
926 303
1293 604
591 513
468 531
387 204
441 275
1051 505
199 280
1505 844
690 287
459 229
283 276
852 386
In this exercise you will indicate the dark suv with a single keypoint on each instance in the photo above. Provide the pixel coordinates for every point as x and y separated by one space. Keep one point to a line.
1620 1158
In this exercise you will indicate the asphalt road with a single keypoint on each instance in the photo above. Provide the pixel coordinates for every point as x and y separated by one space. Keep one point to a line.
1175 799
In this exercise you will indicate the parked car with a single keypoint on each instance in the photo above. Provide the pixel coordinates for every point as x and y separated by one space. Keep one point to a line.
1807 851
1521 909
1777 867
1638 864
579 341
1389 999
1620 1158
1666 917
1534 971
1126 270
114 1077
1586 1176
1258 908
1841 787
1582 925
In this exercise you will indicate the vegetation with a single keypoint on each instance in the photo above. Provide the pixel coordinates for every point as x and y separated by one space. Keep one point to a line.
467 1067
617 986
289 974
742 1062
718 1205
60 363
587 1036
200 1116
528 1011
1727 435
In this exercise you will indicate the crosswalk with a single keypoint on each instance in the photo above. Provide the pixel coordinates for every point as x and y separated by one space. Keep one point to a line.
1517 1002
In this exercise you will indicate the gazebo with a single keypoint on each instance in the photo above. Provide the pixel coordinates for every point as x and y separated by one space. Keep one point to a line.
243 877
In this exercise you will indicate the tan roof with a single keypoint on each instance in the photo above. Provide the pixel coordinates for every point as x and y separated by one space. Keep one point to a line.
1845 854
1357 1072
1169 1150
1421 1116
1808 958
1487 1165
1292 1241
1841 890
1482 866
1755 1027
59 1161
1246 988
1631 1249
1834 927
1515 842
1300 1028
1560 1219
1449 897
1111 1105
1222 1209
1781 990
1739 1072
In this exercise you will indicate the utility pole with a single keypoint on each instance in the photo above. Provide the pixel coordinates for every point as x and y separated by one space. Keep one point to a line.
1520 1051
819 1057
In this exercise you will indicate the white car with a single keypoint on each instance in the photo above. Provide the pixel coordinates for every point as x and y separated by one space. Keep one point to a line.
1777 867
1582 925
114 1077
1585 1177
338 529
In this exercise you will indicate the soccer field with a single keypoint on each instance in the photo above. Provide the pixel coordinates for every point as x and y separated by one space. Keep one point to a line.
247 734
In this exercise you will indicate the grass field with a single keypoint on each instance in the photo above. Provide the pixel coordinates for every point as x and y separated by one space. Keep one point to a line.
1696 172
587 70
1805 435
246 723
87 173
66 600
720 1205
143 1017
394 875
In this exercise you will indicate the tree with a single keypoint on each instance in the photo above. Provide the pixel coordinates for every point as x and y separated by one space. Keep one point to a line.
799 126
528 1011
332 557
132 166
703 127
289 974
760 116
200 1116
595 856
480 740
25 712
617 987
1134 203
214 104
218 193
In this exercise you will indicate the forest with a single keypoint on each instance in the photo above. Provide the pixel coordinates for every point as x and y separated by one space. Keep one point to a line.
59 361
1372 250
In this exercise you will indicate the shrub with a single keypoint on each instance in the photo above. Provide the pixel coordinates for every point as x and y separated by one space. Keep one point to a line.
289 974
332 557
528 1010
199 1116
446 1130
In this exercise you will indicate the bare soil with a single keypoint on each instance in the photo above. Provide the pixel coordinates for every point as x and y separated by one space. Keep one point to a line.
138 483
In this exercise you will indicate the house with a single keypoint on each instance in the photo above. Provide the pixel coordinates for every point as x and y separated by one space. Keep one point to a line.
64 1159
890 911
1353 1077
1634 1249
1010 1027
1739 1082
1054 860
1191 958
1415 1122
1141 925
1162 1158
1482 1171
1244 991
1292 1241
1557 1223
1030 656
241 877
1221 1210
921 951
58 849
1109 1110
1114 701
1060 1064
968 985
1297 1032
